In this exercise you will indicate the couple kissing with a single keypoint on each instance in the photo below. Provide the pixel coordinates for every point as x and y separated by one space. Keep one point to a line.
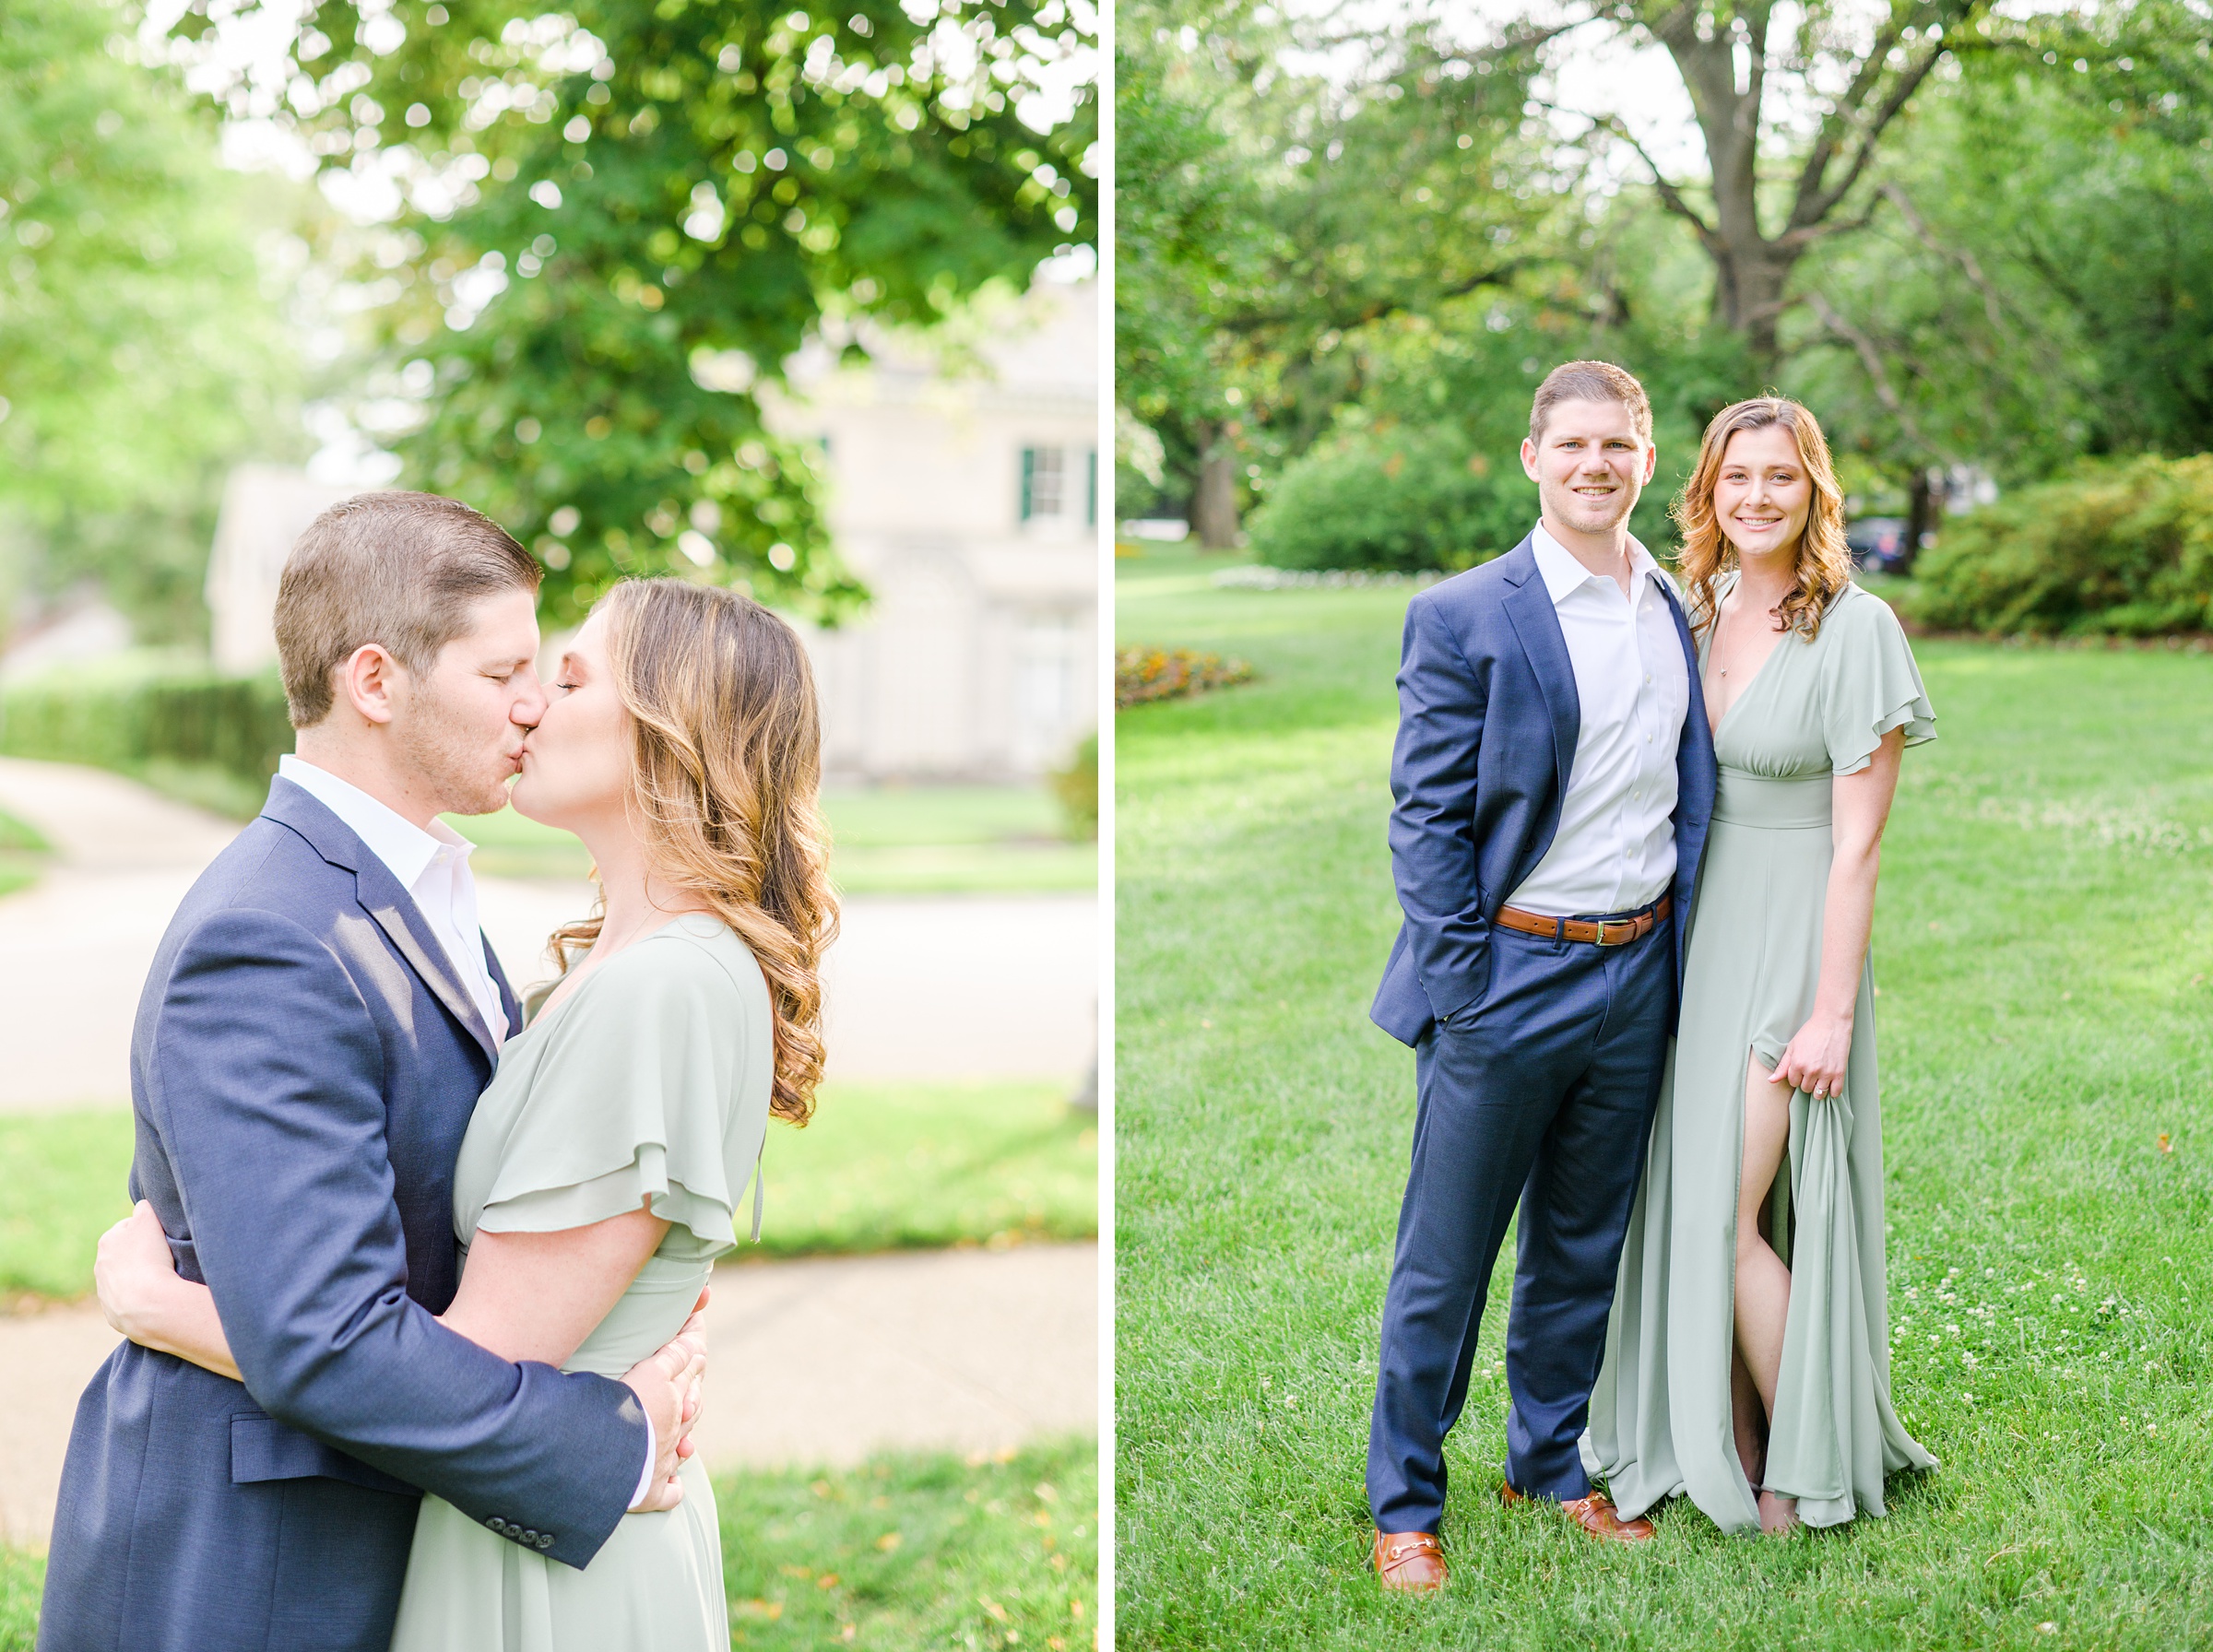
1635 834
412 1287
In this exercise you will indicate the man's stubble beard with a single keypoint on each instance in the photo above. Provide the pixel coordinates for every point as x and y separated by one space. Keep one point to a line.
460 774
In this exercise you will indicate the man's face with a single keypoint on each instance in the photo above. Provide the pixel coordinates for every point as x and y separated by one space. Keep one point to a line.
460 725
1589 464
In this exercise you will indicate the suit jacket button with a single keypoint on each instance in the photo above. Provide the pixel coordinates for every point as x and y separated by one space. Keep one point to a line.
545 1539
498 1525
529 1536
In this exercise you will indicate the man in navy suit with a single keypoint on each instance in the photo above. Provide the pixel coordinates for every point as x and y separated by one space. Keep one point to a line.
311 1041
1552 784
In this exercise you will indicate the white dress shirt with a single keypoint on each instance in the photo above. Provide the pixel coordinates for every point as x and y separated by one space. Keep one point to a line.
1614 850
432 866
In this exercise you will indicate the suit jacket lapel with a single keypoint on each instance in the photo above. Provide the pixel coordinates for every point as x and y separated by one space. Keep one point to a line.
509 1006
382 899
403 923
1537 626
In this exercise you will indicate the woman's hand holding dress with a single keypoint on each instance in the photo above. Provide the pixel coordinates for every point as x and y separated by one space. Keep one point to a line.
1818 1055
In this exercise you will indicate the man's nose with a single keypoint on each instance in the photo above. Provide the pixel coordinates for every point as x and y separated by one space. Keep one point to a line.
531 700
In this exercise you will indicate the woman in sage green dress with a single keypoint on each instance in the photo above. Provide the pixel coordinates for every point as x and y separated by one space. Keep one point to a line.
604 1166
1747 1355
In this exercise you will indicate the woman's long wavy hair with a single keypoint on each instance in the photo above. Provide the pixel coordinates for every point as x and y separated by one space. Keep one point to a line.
726 772
1824 560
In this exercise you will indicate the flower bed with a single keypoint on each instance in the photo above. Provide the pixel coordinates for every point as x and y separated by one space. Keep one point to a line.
1148 674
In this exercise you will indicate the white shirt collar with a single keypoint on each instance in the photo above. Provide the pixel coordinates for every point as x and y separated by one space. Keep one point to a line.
1562 573
403 847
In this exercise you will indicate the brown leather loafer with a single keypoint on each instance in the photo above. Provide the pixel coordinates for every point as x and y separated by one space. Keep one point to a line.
1410 1563
1595 1514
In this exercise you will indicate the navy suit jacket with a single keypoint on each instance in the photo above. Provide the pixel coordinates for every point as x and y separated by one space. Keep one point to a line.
302 1068
1488 718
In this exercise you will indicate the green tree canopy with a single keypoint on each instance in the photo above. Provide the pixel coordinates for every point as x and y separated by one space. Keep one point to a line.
609 227
139 351
1267 218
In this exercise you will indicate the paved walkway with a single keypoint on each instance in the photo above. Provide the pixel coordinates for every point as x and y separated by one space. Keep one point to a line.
916 988
811 1362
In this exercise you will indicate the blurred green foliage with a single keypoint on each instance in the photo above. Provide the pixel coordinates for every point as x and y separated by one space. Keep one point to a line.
139 352
2121 547
1076 788
22 851
614 224
151 708
1270 217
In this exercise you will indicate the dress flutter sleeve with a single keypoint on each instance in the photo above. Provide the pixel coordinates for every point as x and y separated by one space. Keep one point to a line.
1870 684
642 1096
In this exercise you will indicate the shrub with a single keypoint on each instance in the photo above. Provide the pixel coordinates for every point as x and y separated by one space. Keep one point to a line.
1146 674
1076 789
154 713
1403 499
2123 548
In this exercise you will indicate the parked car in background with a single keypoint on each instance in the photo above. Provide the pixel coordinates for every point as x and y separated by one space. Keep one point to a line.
1878 543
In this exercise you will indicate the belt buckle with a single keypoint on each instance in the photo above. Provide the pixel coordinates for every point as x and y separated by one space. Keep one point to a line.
1601 926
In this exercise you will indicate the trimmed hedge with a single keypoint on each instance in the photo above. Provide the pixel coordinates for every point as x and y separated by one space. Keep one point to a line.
133 714
2120 548
1405 498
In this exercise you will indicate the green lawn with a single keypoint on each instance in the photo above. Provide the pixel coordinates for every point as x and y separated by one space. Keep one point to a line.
2044 945
917 1552
887 840
902 1554
22 1577
884 1167
23 850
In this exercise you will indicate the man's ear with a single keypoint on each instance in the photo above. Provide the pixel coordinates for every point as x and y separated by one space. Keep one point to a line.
367 682
1528 459
1652 460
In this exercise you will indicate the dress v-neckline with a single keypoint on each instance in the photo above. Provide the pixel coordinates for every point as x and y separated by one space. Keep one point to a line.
1745 693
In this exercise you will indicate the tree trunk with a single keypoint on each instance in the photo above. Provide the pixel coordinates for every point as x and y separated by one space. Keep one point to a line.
1920 515
1750 270
1215 505
1722 54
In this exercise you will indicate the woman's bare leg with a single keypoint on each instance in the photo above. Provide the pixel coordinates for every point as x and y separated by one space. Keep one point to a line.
1747 1420
1763 1283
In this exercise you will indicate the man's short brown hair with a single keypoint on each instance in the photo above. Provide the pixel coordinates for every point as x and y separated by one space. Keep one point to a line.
400 570
1589 382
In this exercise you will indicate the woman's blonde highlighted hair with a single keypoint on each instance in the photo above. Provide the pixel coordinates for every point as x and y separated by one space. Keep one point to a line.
726 772
1824 560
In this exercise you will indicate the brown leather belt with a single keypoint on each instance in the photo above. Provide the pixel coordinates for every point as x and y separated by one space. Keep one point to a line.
1616 932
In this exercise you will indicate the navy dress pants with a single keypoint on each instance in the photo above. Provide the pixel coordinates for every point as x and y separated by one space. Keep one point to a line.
1543 1090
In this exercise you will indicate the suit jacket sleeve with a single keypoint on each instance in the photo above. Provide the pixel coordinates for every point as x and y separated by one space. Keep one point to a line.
1433 771
270 1102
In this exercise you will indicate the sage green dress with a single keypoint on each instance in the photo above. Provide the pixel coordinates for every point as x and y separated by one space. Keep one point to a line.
651 1078
1660 1414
